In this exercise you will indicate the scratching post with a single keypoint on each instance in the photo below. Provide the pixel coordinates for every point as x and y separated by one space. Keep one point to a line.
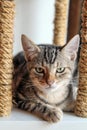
6 47
60 22
81 104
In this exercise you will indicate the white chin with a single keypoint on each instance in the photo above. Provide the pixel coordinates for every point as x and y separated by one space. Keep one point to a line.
52 89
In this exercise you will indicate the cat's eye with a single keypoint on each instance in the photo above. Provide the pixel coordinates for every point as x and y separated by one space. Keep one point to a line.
60 70
39 70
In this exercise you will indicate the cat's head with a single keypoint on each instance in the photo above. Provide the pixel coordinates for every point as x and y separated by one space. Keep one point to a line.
50 67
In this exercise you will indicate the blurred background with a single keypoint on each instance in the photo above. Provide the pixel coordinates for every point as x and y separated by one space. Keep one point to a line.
35 19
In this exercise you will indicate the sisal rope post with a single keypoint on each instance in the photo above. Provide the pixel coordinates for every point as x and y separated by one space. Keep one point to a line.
60 22
6 47
81 104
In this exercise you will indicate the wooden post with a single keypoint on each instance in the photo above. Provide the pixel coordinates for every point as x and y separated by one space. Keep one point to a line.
74 18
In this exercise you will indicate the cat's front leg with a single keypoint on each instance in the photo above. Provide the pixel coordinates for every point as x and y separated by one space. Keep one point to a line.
52 114
44 111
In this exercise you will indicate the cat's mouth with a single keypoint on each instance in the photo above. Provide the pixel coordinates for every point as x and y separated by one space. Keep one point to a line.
53 86
56 86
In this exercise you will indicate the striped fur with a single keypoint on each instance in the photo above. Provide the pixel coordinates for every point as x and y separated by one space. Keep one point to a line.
49 92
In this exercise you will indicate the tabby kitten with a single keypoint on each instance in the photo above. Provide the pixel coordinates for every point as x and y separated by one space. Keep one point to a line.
45 78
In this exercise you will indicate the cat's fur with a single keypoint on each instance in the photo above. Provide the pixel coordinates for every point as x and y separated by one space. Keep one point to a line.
45 79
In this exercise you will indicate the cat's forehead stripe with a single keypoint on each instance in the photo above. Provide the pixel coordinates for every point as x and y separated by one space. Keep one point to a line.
50 53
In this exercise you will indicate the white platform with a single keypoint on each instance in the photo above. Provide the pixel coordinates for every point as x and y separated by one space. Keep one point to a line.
25 121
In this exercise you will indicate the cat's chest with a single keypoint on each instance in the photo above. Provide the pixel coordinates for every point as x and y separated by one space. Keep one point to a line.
56 97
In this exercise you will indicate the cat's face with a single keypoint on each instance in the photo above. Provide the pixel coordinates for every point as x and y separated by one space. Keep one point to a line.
50 67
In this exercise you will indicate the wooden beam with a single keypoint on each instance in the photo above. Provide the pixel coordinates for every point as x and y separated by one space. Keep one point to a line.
74 18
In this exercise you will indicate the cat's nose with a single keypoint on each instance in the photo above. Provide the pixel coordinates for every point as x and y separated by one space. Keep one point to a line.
51 79
50 82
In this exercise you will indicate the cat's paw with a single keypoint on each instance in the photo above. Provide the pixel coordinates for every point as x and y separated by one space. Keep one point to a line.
54 115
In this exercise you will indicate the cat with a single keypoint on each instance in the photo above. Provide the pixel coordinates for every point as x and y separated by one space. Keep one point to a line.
45 78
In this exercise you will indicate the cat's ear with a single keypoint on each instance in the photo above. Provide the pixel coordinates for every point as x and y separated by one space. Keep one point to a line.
71 48
30 49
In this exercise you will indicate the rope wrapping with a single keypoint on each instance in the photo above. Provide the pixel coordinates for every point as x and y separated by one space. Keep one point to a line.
60 22
81 104
6 56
